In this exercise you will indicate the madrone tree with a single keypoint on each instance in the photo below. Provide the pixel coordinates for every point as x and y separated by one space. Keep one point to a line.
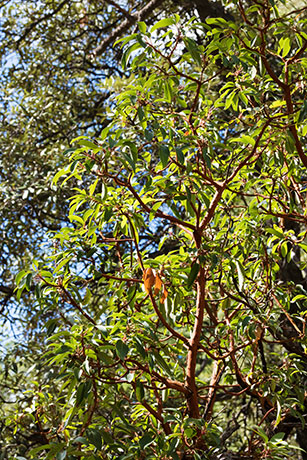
58 70
179 284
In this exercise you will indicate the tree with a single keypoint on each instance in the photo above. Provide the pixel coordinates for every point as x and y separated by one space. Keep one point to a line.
53 87
58 68
190 342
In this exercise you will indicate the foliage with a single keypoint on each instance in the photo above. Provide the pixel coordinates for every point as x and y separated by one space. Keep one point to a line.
176 292
58 72
54 87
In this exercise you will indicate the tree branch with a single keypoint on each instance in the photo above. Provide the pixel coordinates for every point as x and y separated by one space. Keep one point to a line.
38 21
124 26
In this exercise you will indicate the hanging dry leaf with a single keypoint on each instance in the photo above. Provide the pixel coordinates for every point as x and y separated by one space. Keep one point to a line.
149 279
158 285
258 332
164 295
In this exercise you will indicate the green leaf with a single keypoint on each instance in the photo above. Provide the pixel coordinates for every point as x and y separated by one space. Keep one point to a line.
277 437
245 139
262 434
167 92
59 174
139 391
81 393
162 363
220 22
95 438
275 231
246 321
164 155
91 189
162 23
76 218
20 276
34 451
193 274
89 144
107 438
104 191
284 249
241 274
146 440
193 49
140 347
180 155
28 281
149 135
142 27
81 439
130 160
61 455
284 46
51 326
303 112
121 349
125 40
298 297
141 113
127 53
206 157
278 415
62 263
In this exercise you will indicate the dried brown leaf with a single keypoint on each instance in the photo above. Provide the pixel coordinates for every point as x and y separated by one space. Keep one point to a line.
258 332
149 279
158 285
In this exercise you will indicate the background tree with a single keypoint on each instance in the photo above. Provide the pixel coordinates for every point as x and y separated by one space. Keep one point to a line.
200 352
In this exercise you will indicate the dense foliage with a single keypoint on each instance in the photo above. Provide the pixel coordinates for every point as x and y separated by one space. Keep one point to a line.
58 70
54 86
174 295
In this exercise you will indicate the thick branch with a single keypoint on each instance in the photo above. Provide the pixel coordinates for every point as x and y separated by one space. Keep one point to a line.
166 426
174 384
193 406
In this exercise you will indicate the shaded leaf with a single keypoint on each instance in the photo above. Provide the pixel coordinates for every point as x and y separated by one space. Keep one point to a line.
193 274
139 391
121 349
